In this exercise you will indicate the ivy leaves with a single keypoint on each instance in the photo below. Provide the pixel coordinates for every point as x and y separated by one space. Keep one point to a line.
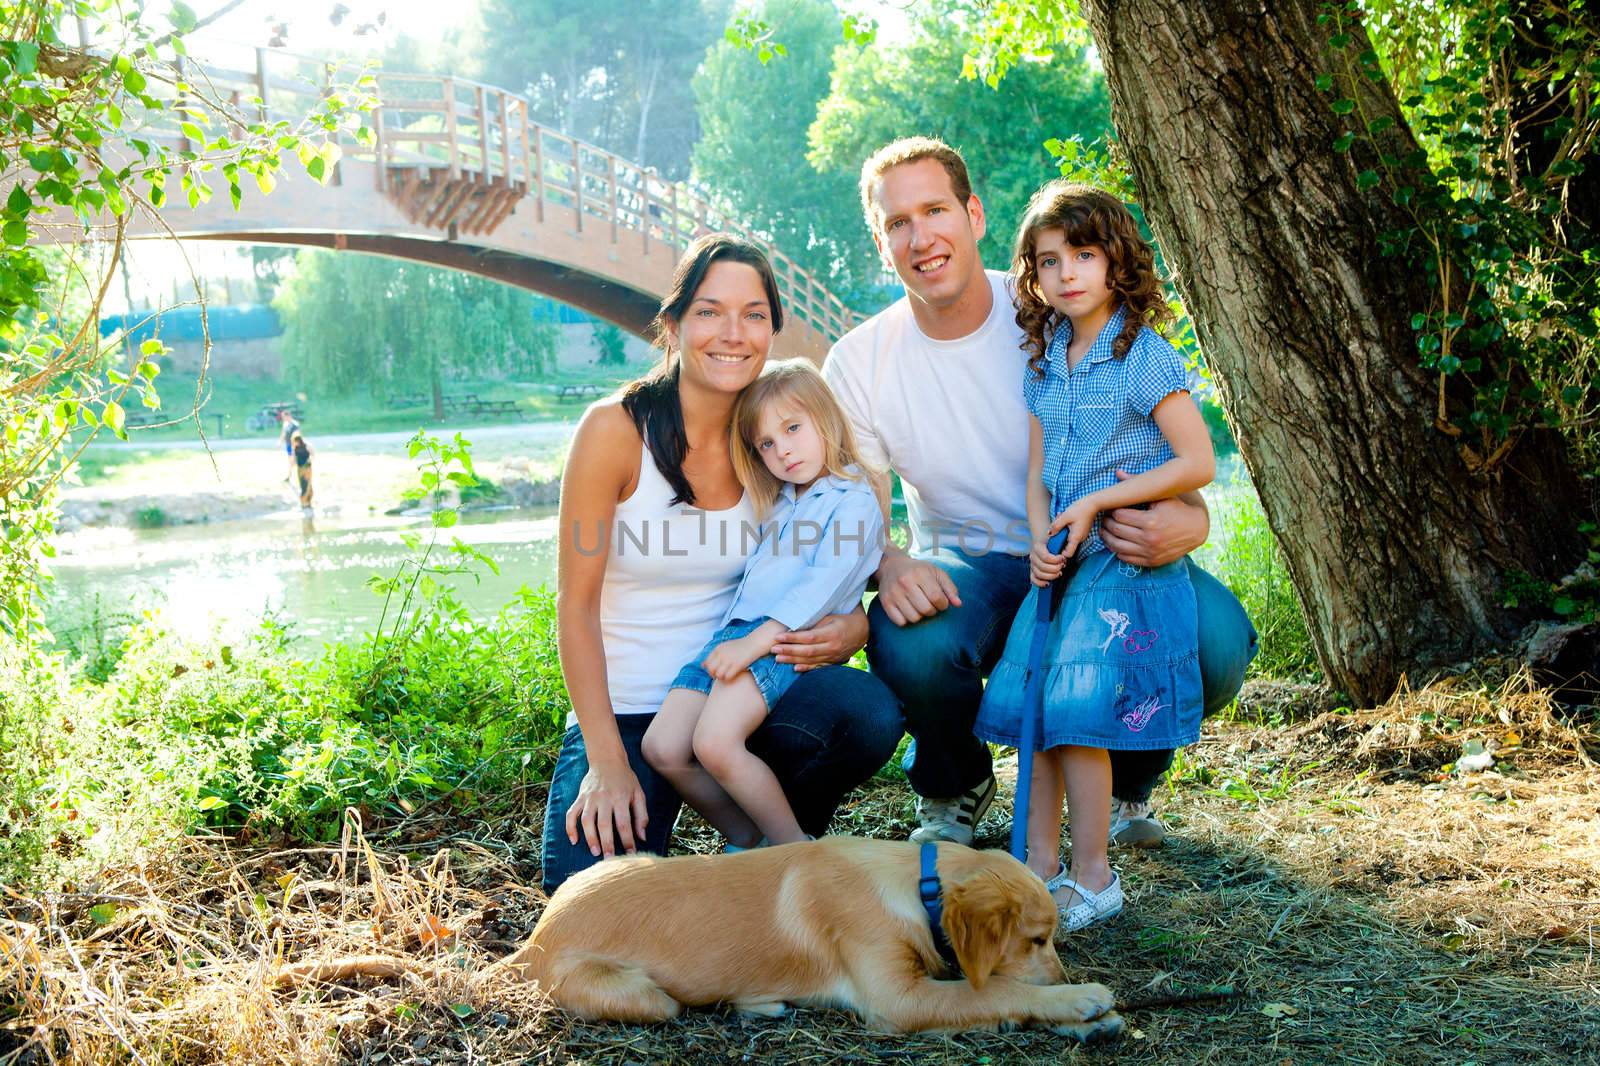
1513 312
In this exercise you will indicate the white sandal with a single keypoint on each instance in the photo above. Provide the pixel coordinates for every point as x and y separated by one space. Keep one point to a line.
1091 908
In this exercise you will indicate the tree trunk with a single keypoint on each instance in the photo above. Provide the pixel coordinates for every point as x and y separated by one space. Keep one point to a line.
1396 549
646 96
435 384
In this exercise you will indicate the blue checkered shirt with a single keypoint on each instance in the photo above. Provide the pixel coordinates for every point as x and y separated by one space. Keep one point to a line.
1096 416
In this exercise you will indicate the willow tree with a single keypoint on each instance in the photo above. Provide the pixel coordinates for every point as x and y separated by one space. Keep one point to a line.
1394 292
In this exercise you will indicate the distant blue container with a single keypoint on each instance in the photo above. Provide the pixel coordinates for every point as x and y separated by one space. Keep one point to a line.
240 322
551 312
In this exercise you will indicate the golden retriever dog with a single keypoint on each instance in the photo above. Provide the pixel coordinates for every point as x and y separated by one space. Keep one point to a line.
835 922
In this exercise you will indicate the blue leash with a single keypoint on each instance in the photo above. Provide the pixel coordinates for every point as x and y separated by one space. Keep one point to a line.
1033 697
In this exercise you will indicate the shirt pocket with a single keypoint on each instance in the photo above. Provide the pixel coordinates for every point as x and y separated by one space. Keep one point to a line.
1095 421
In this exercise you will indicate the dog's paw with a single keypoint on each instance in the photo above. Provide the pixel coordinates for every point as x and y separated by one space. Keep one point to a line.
1101 1030
761 1008
1090 1001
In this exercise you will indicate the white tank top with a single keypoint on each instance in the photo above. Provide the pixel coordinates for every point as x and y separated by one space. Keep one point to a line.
671 572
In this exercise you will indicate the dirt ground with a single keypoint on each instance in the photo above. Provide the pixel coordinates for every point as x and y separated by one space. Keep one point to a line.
1358 896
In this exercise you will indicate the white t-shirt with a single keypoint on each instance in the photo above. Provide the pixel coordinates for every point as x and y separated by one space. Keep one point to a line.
948 417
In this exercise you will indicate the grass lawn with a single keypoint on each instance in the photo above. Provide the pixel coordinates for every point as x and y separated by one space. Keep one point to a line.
236 400
1361 900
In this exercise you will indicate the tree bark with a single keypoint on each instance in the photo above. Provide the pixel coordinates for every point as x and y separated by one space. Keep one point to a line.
1396 548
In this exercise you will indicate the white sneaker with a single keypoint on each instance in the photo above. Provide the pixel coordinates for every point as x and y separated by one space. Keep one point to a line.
1133 826
955 818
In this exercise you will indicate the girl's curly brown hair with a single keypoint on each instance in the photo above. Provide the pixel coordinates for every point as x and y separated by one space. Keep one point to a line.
1088 216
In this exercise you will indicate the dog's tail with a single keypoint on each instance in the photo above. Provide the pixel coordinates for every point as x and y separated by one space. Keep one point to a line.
343 969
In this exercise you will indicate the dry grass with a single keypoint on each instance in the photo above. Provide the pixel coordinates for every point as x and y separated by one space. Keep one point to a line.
1368 903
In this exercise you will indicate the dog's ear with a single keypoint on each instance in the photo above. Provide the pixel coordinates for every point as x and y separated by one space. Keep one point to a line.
980 918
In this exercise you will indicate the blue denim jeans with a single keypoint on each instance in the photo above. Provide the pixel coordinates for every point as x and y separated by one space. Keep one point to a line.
831 731
937 666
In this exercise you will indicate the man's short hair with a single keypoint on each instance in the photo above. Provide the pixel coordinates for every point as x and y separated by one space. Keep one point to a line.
911 150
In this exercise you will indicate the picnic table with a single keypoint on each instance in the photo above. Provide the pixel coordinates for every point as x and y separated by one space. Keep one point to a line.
587 389
471 403
267 414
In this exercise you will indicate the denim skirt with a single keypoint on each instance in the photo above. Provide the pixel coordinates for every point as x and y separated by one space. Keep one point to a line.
772 677
1120 670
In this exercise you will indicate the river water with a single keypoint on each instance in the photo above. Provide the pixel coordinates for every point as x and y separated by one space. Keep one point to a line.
227 575
314 575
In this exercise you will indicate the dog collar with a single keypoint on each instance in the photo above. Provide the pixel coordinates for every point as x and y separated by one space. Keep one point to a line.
929 888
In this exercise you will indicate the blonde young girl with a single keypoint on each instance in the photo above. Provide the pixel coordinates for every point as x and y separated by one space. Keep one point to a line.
821 537
1106 393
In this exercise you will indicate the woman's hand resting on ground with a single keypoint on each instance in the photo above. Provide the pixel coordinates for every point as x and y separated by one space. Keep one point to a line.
611 810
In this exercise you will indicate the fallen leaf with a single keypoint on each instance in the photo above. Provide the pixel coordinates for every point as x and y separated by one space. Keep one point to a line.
1279 1010
433 930
461 1010
103 913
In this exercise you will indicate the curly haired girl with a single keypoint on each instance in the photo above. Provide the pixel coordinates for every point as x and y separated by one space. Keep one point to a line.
1112 424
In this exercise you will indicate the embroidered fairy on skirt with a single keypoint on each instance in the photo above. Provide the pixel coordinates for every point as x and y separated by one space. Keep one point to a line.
1120 667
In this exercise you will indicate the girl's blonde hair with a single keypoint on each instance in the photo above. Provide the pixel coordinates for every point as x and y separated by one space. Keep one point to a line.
795 380
1087 216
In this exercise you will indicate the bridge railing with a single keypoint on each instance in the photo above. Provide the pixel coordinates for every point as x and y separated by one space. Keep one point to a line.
455 128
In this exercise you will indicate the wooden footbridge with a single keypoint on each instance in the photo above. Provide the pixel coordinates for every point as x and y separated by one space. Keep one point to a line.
457 174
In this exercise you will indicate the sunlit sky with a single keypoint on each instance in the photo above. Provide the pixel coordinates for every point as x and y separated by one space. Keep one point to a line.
307 21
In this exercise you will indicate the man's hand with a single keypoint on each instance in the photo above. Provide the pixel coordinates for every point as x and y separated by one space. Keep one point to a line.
913 589
832 640
1168 531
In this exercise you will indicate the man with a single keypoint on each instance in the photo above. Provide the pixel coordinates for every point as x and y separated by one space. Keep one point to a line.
933 387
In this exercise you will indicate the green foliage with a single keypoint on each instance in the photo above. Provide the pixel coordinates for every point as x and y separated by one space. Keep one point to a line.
614 73
1244 555
1222 442
1511 332
1011 32
831 105
612 343
173 736
1575 598
881 93
186 735
150 518
748 113
96 136
365 323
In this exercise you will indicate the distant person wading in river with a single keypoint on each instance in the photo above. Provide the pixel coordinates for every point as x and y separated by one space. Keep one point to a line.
300 453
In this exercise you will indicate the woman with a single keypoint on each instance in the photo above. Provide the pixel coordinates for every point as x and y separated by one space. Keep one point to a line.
653 542
300 451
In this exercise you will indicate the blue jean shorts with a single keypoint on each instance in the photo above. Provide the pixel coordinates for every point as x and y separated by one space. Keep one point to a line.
772 677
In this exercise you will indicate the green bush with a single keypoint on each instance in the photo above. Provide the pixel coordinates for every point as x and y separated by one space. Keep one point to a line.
182 735
1244 555
1222 441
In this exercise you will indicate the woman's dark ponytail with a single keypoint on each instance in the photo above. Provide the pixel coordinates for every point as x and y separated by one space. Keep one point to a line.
652 403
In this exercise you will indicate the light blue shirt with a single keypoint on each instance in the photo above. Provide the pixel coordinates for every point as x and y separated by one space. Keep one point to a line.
1096 416
815 555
